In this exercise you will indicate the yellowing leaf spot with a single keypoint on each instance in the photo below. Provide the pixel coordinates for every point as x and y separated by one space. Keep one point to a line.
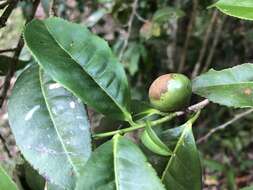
247 91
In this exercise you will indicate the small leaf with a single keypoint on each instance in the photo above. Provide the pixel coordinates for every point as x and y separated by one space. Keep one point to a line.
150 29
131 58
183 170
95 17
50 127
81 62
165 14
231 87
6 61
153 142
5 181
141 110
241 9
119 165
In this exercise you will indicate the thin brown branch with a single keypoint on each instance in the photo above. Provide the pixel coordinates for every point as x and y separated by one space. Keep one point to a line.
5 147
214 44
129 25
7 12
194 108
225 125
17 52
188 36
7 50
205 43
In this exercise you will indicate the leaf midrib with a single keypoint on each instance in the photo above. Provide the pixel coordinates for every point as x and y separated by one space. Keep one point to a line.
175 151
122 109
115 142
54 124
234 6
225 85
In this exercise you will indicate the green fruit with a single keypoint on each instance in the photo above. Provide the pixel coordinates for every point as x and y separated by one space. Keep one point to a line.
170 92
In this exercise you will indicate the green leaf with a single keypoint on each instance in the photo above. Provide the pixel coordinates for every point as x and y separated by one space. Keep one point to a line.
238 8
231 87
131 58
6 61
50 127
81 62
50 186
165 14
183 171
141 110
5 181
119 164
153 142
33 179
247 188
95 17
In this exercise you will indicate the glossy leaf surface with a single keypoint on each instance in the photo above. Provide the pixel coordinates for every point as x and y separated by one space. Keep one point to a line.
238 8
50 127
141 110
82 63
119 165
5 181
231 87
183 171
153 142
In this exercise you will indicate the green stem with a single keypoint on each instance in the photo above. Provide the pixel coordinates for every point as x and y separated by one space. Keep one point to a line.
136 127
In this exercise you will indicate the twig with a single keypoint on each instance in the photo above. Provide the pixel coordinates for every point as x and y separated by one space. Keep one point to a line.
214 44
188 36
197 107
7 50
205 43
6 14
17 52
6 149
223 126
129 25
140 18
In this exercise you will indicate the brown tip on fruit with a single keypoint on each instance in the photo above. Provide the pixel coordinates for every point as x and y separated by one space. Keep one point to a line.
159 86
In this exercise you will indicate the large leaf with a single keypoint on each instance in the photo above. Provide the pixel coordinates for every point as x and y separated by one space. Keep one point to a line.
6 181
237 8
183 171
119 165
6 61
247 188
81 62
50 127
230 87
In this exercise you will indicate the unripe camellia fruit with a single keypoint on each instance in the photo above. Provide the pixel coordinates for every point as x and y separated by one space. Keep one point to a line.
170 92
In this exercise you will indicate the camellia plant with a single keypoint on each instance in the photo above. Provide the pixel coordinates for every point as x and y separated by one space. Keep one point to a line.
75 69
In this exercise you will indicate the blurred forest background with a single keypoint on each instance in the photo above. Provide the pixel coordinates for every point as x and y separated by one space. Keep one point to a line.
154 37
